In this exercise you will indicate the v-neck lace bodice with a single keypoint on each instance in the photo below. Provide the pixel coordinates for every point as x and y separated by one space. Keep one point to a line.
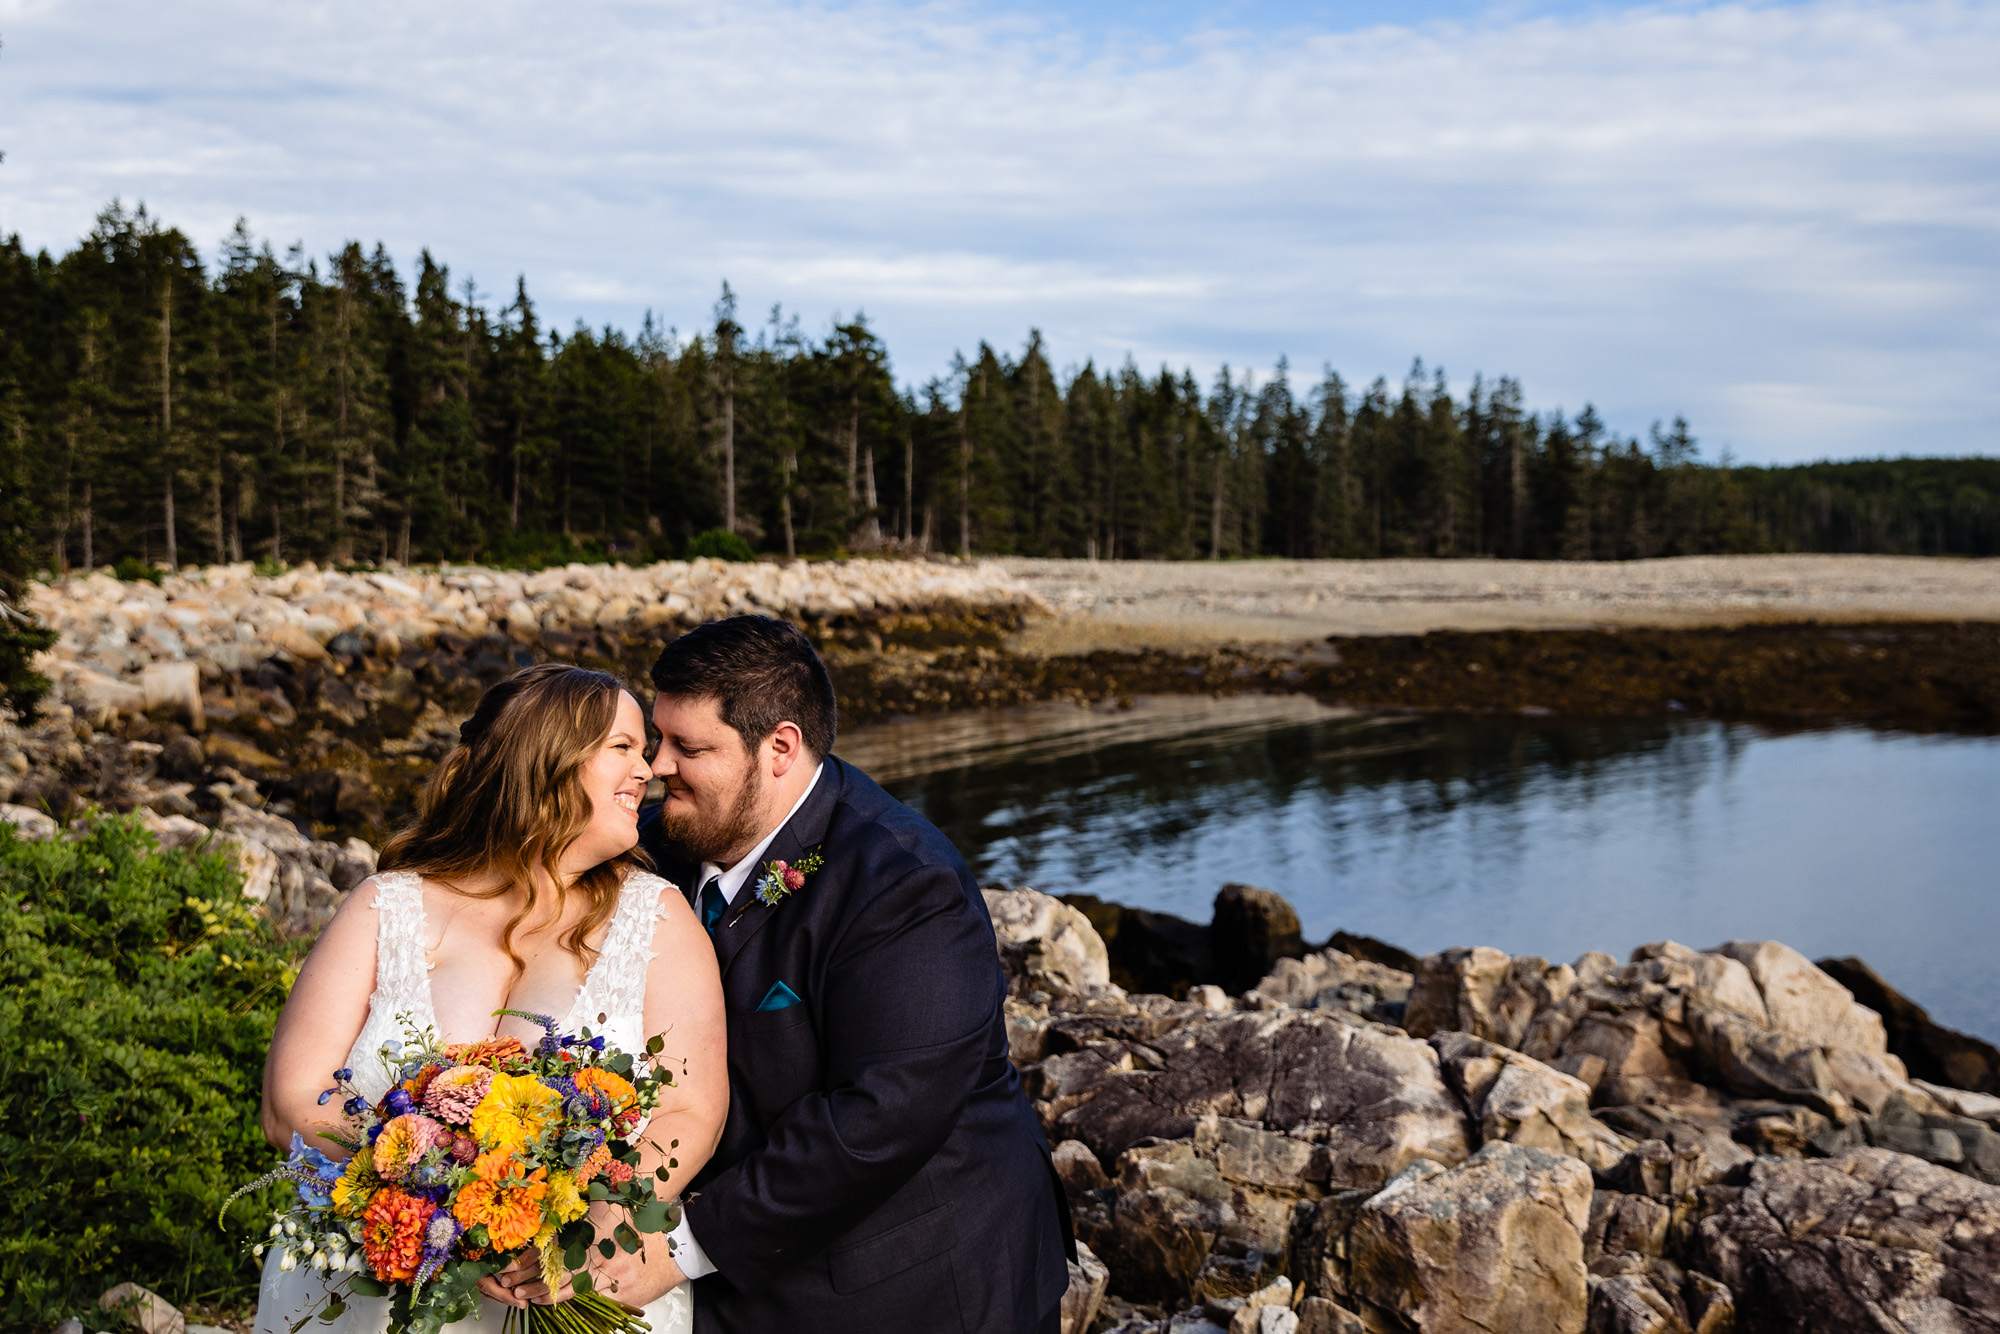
615 985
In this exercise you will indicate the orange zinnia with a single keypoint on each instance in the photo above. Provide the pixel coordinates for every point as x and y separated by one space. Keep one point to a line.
392 1235
493 1052
614 1087
512 1215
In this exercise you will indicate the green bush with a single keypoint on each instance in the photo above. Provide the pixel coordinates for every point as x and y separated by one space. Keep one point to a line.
719 543
137 997
131 569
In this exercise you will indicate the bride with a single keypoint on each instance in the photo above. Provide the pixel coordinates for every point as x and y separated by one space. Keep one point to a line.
516 888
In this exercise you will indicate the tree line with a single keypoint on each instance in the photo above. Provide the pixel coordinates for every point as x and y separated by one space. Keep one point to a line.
284 407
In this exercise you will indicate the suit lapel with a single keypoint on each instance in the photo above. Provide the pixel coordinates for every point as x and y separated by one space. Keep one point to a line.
803 832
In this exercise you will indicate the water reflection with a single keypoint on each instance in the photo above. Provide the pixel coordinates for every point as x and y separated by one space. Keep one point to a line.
1548 836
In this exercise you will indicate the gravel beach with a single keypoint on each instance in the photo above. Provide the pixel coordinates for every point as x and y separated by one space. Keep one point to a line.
1198 604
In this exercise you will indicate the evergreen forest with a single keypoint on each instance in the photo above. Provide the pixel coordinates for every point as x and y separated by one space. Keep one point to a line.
282 408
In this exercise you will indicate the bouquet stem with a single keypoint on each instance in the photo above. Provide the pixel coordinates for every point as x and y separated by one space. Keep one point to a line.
585 1313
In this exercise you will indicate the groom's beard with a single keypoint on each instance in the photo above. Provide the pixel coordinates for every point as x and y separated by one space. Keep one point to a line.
702 837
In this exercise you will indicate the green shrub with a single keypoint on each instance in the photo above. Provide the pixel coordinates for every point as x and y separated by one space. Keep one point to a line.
137 997
132 569
21 638
719 543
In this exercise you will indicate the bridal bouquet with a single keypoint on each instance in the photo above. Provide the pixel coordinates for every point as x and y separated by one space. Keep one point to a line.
478 1152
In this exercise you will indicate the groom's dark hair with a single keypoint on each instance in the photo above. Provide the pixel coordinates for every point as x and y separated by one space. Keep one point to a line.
763 672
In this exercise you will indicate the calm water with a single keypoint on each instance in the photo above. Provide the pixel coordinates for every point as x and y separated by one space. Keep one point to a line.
1540 836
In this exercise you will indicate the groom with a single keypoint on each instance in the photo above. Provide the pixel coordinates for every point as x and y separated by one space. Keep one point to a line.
880 1170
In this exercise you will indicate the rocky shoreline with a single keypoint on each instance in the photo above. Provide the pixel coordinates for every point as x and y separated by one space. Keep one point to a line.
1691 1141
323 698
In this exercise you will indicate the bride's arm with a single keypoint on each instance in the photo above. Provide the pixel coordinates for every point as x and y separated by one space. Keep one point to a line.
684 1006
317 1028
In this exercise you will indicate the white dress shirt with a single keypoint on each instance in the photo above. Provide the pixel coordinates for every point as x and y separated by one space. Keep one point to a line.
693 1259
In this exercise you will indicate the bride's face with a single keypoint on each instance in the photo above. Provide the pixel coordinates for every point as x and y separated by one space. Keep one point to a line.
615 781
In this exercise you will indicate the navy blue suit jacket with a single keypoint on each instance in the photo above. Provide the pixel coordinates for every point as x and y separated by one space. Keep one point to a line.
880 1169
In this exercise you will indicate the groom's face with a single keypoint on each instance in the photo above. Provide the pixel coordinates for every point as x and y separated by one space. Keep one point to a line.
714 783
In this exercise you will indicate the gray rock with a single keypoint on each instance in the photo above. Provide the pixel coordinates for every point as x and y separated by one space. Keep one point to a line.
1621 1046
143 1309
1625 1224
29 825
1804 1002
1330 979
1088 1282
1872 1240
1633 1304
1522 1101
1251 930
1663 1171
1373 1098
1485 993
1046 945
1185 1221
1317 1315
1493 1244
1758 1062
1078 1167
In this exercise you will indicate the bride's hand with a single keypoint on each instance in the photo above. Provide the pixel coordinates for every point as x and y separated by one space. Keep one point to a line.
520 1284
635 1278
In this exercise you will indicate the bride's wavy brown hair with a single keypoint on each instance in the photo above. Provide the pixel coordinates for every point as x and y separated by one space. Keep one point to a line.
509 797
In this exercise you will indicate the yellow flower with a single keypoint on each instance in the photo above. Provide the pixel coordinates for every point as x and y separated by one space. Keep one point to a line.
357 1185
514 1112
564 1200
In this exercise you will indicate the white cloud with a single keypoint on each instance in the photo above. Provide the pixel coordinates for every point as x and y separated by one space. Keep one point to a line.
1777 219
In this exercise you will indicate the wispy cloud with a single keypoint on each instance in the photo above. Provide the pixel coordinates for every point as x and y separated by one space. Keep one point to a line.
1780 220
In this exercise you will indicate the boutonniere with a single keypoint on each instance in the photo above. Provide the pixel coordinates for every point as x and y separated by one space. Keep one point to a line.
781 879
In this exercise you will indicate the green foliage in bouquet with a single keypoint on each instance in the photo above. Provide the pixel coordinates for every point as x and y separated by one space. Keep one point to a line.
137 997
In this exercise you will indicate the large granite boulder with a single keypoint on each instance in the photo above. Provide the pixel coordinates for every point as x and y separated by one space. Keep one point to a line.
1371 1096
1872 1240
1495 1243
1046 945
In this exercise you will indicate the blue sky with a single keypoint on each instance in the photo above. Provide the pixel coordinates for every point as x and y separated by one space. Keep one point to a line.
1780 220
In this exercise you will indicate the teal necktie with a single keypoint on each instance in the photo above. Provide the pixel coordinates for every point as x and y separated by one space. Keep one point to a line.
713 905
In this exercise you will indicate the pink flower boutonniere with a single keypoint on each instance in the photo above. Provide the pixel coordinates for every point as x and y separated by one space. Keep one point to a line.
781 879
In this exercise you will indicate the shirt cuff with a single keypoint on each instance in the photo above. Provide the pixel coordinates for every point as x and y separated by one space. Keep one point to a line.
687 1252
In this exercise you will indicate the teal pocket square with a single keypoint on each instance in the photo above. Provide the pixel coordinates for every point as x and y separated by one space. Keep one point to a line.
779 997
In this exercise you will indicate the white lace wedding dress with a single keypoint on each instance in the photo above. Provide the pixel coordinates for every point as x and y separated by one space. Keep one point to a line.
615 987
